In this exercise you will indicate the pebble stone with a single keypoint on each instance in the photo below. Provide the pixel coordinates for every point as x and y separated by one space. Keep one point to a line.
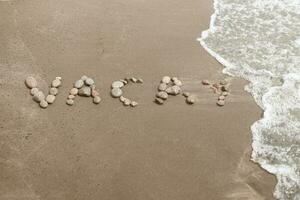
84 77
70 102
71 96
139 80
89 81
166 79
134 80
117 84
122 99
162 87
162 95
221 97
178 82
186 94
78 84
221 103
31 82
127 102
74 91
174 90
95 93
134 103
206 82
96 99
33 91
43 104
56 83
124 81
50 98
116 92
39 96
174 78
85 92
159 101
53 91
225 93
223 82
191 99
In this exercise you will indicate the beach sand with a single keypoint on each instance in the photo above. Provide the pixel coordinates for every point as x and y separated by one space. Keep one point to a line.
107 151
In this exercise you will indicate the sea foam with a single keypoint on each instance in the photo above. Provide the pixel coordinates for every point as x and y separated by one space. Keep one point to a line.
259 40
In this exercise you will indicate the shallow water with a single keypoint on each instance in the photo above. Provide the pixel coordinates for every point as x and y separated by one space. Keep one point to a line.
259 40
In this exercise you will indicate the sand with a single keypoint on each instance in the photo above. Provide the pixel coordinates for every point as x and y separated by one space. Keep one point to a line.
107 151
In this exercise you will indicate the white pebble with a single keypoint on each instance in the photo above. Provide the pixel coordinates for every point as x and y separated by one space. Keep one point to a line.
31 82
71 96
186 94
174 79
221 103
70 102
162 95
174 90
84 77
178 82
78 84
43 104
53 91
116 92
166 79
127 102
134 103
89 81
85 91
221 97
58 77
56 83
134 80
162 87
159 101
206 82
74 91
39 96
191 99
139 80
33 91
50 98
117 84
122 99
96 99
225 94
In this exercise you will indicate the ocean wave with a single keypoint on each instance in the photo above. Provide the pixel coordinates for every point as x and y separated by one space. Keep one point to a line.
259 40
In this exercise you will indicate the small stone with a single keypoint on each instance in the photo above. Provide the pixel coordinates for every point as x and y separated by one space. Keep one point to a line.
134 104
33 91
74 91
162 87
56 83
85 91
221 97
221 103
159 101
39 96
223 82
174 90
139 80
84 77
96 99
78 84
162 95
117 84
225 88
191 99
71 96
206 82
174 79
124 81
178 82
58 77
186 94
216 85
70 102
89 81
116 92
225 93
134 80
122 99
43 104
31 82
127 102
53 91
166 79
95 93
50 98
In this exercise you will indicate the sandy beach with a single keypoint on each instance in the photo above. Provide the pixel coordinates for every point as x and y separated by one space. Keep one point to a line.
170 152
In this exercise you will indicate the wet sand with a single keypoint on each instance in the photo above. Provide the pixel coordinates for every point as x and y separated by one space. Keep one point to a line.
108 151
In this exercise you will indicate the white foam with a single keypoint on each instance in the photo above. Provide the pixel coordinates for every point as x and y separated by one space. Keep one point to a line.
255 40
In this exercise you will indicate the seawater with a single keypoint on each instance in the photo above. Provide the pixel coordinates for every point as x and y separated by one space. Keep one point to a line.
259 40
